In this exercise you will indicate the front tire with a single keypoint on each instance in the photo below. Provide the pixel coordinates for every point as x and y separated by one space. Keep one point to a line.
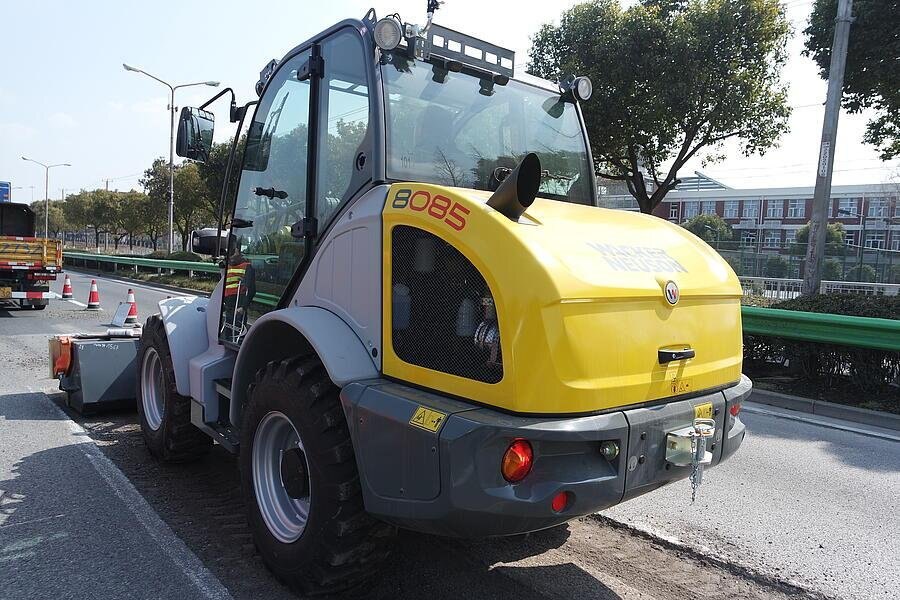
165 414
301 485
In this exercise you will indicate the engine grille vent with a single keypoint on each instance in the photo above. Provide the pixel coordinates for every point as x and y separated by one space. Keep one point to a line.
442 310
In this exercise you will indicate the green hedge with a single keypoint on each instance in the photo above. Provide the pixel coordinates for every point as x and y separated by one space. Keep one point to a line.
850 375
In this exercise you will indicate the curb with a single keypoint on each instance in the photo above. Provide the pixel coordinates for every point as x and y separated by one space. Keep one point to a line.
831 410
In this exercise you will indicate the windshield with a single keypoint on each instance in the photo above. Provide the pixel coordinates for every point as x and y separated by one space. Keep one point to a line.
442 129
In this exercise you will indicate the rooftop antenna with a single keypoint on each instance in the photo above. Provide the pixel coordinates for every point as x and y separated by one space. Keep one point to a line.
417 37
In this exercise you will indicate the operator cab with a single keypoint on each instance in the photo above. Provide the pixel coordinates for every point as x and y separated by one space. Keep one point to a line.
366 103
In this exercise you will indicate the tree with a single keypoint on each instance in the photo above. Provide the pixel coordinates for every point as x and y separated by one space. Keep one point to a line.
213 172
94 210
872 72
153 215
709 228
192 206
832 270
776 266
131 215
56 222
864 273
671 79
834 240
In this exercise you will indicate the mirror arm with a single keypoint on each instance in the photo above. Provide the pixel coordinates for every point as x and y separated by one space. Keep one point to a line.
235 114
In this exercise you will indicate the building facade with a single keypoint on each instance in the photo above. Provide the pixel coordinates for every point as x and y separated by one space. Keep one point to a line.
768 218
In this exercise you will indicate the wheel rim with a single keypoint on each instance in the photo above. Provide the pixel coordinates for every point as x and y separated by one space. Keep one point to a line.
278 453
152 388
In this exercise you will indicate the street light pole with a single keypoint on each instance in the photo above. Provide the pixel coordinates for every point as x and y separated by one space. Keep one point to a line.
172 89
46 191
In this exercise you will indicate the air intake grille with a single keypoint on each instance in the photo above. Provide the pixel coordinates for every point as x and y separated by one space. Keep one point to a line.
442 311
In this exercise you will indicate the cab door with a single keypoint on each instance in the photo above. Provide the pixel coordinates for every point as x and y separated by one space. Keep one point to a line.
301 164
272 197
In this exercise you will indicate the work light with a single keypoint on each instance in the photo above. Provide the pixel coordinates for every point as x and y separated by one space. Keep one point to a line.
388 33
583 88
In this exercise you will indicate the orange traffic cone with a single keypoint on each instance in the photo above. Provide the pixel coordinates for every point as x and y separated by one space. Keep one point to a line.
93 297
67 287
132 317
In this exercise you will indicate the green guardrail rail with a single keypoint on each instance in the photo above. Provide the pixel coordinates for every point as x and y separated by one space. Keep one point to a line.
157 263
845 330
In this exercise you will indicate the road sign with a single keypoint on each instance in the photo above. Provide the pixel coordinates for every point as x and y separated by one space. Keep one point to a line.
5 187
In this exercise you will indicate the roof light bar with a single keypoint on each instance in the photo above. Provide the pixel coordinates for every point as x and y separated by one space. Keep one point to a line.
455 46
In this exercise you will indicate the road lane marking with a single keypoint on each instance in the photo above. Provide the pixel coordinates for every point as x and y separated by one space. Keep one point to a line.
169 543
76 302
827 422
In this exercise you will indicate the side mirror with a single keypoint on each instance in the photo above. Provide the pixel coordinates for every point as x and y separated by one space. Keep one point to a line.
195 134
203 241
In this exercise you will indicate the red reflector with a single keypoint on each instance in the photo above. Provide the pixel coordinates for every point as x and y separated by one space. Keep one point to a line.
735 409
560 502
517 461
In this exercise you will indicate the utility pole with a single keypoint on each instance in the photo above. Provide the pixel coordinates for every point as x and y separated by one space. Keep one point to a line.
818 224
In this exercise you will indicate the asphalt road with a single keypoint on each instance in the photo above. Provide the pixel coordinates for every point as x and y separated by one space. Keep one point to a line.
799 503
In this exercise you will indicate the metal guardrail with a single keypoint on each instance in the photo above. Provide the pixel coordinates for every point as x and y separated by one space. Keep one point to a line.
845 330
863 332
160 265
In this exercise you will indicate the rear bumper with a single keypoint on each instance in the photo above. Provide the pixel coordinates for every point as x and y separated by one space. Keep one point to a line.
448 481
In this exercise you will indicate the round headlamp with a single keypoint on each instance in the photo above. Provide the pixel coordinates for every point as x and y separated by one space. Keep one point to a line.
388 32
583 88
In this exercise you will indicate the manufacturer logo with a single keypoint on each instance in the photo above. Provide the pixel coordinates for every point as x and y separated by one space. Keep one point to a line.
672 293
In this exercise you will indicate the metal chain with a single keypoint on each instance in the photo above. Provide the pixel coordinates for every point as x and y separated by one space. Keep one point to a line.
695 467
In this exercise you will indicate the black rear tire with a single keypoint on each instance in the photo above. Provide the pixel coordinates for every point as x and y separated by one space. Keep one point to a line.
341 546
176 439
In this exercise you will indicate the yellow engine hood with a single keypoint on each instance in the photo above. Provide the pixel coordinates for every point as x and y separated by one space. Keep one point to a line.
581 304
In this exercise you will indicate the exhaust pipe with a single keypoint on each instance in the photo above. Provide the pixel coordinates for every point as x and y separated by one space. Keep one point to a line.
518 190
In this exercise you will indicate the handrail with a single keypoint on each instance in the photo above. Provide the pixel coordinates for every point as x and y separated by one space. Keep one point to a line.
157 263
843 330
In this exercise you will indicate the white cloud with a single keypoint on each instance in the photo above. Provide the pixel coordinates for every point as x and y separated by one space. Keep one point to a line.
115 106
61 120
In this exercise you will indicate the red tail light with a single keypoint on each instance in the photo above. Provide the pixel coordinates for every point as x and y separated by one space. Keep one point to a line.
517 461
561 501
735 409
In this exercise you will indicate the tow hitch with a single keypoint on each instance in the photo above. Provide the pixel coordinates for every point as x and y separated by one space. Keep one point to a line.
687 446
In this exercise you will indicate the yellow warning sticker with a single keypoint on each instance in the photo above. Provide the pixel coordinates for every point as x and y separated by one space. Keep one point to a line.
703 411
427 419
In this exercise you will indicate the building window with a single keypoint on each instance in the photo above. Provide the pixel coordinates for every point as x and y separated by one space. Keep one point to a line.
691 209
850 238
796 209
877 208
875 239
848 207
748 237
751 209
774 209
709 207
790 237
731 209
773 238
673 211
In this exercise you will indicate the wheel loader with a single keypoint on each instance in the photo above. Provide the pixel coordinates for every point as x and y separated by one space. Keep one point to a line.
424 320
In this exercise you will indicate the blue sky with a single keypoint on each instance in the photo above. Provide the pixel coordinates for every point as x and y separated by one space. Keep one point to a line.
64 96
